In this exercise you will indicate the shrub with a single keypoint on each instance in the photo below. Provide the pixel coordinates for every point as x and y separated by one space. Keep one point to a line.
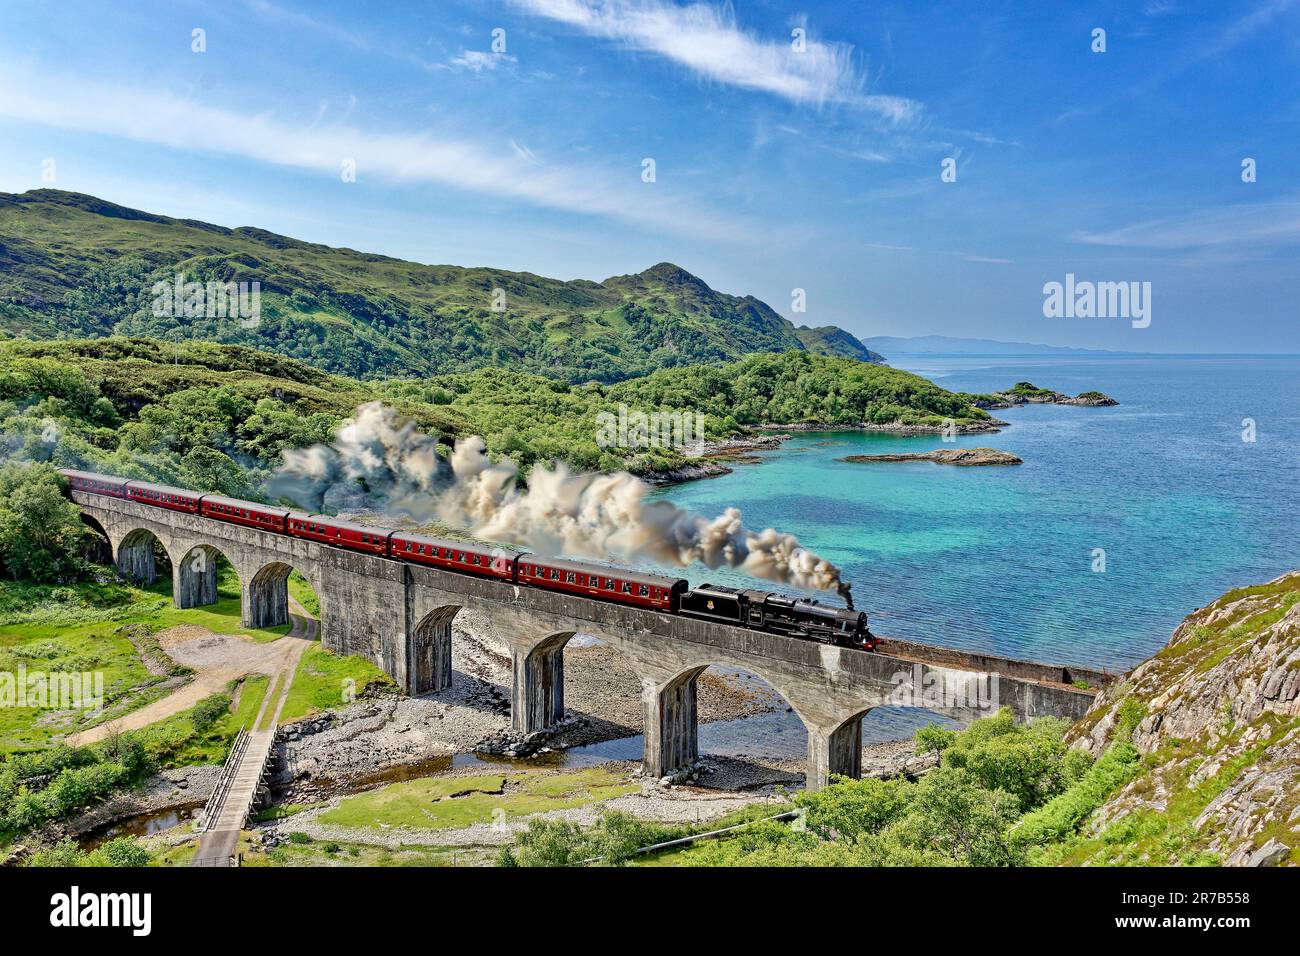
612 840
1030 762
934 739
851 809
121 852
1062 814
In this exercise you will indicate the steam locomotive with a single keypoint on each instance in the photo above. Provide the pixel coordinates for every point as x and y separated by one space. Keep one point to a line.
749 608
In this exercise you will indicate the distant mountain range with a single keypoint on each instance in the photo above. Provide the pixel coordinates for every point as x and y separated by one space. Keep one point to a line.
72 265
890 345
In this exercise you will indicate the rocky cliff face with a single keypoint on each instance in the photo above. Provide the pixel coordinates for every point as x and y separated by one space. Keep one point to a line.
1219 734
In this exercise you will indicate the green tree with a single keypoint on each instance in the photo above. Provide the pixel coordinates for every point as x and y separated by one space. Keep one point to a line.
851 809
207 469
1030 762
41 532
951 820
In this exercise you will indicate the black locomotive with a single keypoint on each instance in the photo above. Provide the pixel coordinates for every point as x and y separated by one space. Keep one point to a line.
780 614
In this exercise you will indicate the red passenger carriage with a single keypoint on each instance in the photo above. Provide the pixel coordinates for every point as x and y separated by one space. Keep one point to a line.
244 512
343 534
609 584
93 484
163 496
454 555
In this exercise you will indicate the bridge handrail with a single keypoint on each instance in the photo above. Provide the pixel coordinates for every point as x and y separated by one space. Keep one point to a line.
218 798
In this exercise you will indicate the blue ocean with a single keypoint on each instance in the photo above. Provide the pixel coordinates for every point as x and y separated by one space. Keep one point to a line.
1120 522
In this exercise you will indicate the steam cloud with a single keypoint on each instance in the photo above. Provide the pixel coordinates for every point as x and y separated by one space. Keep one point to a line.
378 460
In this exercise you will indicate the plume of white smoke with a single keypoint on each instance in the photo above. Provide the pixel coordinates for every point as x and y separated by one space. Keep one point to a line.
377 460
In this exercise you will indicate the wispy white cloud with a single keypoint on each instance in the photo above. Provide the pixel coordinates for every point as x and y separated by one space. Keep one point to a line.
869 155
505 170
476 61
707 40
1261 223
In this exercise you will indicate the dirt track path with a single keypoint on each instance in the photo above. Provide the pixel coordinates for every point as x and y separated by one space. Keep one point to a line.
238 656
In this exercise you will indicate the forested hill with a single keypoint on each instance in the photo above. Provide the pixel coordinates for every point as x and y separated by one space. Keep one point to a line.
217 417
73 265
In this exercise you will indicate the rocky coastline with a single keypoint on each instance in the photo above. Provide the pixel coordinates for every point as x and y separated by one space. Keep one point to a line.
1217 716
710 459
707 459
986 426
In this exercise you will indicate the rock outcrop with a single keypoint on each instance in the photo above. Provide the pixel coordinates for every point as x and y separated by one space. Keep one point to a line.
1026 393
946 456
1218 725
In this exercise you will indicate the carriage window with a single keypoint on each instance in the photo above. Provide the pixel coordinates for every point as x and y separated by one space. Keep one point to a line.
555 574
626 588
568 578
609 584
645 590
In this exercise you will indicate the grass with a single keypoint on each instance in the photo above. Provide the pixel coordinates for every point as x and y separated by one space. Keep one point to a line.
83 628
176 855
301 591
324 680
429 803
276 689
177 742
338 853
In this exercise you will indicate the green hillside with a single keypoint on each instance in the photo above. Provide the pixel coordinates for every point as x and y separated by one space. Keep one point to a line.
73 266
217 417
832 340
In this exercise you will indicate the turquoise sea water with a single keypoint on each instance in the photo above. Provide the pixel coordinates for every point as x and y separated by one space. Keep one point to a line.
1000 559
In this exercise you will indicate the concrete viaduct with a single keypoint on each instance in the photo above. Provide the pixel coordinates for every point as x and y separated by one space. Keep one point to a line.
400 617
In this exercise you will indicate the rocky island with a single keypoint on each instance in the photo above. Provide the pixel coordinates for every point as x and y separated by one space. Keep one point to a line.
946 456
1027 393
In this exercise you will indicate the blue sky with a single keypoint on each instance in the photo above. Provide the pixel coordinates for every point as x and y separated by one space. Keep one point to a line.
775 169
